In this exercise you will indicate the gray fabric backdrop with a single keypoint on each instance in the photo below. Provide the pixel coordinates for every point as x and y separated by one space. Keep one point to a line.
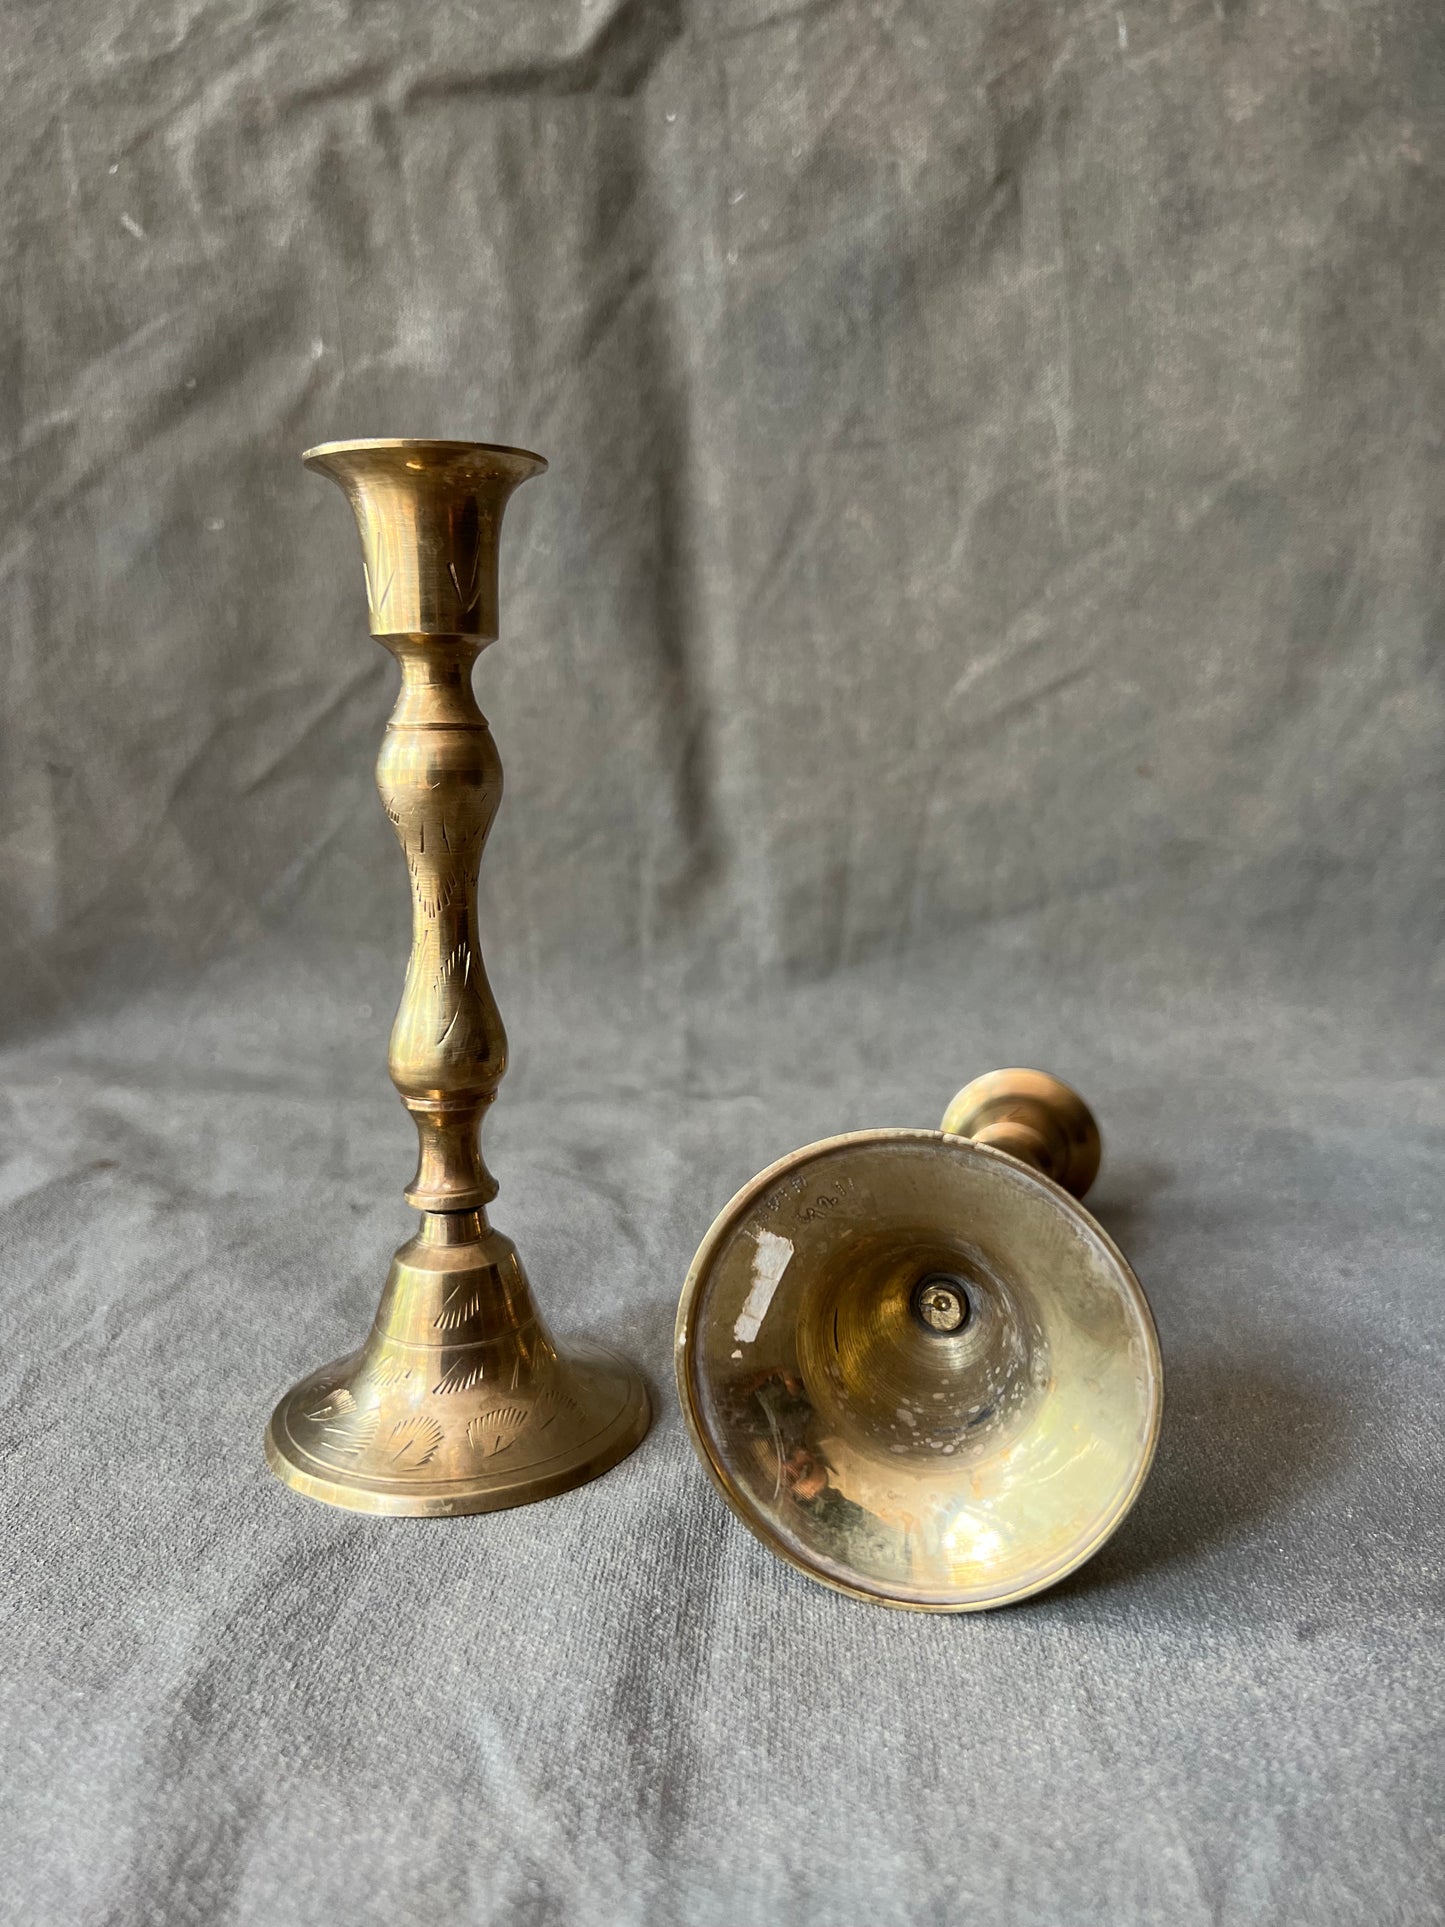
985 608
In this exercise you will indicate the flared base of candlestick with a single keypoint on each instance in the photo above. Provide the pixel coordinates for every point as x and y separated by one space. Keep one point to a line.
459 1401
510 1452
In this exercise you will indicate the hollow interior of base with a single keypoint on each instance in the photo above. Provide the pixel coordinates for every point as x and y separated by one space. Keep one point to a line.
929 1465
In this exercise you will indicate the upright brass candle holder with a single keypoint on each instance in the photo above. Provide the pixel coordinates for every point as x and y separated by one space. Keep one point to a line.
459 1400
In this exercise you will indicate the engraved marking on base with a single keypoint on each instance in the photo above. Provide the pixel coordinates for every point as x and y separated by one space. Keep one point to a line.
463 1301
350 1435
334 1402
461 1377
552 1404
413 1443
390 1371
497 1430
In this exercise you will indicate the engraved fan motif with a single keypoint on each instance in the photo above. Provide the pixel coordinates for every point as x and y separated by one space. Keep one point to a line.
554 1404
463 1300
413 1443
453 975
388 1369
331 1404
436 884
436 889
494 1431
462 1376
347 1433
467 841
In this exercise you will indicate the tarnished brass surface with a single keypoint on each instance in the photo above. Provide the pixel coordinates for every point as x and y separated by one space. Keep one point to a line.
459 1400
914 1365
1034 1116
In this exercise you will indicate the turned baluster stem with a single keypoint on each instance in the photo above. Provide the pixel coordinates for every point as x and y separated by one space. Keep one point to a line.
440 780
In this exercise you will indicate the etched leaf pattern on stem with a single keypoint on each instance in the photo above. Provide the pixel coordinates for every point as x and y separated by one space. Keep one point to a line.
441 876
449 985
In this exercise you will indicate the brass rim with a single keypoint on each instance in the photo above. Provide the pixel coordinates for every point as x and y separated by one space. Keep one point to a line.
685 1353
439 444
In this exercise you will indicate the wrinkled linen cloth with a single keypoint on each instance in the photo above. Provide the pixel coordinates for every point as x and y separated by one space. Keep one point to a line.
223 1702
984 609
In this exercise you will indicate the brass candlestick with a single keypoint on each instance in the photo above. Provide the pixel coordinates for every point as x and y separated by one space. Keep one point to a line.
459 1401
914 1365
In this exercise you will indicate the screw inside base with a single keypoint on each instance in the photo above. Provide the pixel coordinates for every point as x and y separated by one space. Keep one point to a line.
942 1303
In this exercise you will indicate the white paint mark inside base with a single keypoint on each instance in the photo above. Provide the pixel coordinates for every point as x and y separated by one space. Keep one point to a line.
770 1261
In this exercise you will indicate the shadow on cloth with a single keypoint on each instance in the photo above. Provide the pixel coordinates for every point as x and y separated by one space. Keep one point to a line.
1241 1444
1245 1440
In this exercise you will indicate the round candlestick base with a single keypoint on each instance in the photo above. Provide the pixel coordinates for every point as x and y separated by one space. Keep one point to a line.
346 1437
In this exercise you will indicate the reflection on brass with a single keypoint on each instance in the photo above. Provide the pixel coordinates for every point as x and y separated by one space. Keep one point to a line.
459 1400
913 1364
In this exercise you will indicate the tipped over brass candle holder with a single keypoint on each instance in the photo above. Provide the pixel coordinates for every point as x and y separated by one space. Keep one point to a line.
459 1400
914 1365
